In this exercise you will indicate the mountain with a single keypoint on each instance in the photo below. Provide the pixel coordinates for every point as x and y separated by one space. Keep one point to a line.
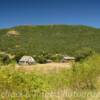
49 38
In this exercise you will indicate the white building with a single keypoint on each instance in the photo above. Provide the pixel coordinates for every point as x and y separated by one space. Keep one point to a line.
27 60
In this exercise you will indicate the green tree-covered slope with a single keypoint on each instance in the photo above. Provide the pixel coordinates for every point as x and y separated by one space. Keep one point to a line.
51 38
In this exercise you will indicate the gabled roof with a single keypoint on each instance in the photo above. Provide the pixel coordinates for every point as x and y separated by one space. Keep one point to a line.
69 58
27 58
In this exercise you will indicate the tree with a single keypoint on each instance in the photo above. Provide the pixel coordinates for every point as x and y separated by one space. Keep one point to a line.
5 59
83 53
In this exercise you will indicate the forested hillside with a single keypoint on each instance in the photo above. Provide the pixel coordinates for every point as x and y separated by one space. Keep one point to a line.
51 38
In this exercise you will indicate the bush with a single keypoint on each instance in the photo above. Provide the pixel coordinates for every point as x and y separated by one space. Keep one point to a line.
42 57
5 59
84 75
18 56
12 81
83 53
57 57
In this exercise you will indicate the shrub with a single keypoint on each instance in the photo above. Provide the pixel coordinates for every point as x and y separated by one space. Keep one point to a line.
5 59
18 56
84 75
57 57
42 57
83 53
26 84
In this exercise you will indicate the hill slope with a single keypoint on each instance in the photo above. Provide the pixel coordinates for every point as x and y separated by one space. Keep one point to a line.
51 38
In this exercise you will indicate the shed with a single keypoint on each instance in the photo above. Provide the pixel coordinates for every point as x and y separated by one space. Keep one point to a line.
27 60
68 59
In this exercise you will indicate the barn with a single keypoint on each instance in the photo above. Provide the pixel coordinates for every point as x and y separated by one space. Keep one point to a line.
27 60
68 59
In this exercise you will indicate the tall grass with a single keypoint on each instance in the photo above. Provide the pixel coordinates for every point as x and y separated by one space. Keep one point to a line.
16 85
32 84
85 74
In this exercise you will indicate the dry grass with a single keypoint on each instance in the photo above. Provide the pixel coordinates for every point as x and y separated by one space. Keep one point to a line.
45 68
12 32
68 94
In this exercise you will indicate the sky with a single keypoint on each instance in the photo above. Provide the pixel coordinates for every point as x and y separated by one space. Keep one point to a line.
45 12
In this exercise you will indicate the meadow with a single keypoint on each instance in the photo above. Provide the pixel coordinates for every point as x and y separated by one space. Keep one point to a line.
83 77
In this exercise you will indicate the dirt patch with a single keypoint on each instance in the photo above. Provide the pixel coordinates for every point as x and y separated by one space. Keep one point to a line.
45 68
12 32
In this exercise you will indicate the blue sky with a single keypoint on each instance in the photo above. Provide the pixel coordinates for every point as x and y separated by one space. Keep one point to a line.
44 12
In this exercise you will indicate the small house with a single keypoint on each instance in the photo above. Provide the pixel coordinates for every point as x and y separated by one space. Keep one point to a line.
67 59
27 60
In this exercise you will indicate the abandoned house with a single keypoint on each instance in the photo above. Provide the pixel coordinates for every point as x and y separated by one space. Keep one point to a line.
68 59
27 60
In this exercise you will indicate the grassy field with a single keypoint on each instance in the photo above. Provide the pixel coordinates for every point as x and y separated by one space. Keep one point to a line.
44 68
81 81
64 39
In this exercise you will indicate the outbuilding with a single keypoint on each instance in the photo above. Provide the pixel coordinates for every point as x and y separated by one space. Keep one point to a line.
27 60
68 59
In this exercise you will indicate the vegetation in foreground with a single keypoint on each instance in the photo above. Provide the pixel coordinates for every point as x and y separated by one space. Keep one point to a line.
83 76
